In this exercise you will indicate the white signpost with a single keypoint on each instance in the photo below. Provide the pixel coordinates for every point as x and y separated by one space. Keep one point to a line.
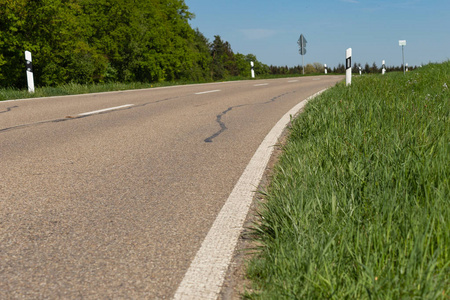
30 78
403 44
253 69
348 66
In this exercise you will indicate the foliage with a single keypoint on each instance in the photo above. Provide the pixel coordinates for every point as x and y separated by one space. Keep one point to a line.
95 41
358 205
315 68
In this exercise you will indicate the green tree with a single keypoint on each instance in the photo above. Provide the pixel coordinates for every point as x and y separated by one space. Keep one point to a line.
86 41
223 61
199 70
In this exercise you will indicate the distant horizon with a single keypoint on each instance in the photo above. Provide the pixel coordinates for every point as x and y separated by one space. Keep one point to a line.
372 28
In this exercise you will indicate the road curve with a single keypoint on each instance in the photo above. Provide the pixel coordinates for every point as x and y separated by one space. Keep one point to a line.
111 195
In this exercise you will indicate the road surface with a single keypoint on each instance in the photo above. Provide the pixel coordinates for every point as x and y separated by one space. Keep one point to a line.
110 195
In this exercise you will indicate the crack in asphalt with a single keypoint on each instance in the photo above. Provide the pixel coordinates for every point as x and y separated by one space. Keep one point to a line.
8 109
222 125
71 118
277 97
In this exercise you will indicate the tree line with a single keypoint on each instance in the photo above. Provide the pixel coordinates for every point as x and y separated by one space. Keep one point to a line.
316 68
370 69
93 41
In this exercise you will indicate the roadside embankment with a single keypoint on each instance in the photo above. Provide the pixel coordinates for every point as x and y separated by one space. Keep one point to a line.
358 206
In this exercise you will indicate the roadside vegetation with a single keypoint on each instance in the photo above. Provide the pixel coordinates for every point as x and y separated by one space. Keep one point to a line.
84 46
359 204
100 41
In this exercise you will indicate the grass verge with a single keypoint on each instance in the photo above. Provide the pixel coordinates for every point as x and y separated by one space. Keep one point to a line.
359 205
75 89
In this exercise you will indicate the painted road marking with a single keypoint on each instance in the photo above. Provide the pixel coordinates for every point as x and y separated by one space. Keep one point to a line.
261 84
106 109
207 92
293 81
205 276
314 79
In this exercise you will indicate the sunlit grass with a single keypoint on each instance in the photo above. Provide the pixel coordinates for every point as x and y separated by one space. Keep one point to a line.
359 206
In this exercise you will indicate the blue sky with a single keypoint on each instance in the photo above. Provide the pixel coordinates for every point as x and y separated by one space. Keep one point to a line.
372 28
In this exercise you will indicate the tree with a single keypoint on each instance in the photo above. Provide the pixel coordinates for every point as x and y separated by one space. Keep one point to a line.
199 70
340 69
223 61
88 41
374 69
319 67
309 69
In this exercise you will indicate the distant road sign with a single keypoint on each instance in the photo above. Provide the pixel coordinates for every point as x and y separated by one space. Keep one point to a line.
402 43
302 41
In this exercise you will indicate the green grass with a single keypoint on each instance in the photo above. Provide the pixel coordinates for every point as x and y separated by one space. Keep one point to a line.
359 205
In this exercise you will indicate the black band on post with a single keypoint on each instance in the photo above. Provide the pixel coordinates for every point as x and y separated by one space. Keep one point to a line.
29 66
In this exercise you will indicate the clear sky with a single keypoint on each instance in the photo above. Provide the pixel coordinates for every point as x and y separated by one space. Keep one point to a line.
372 28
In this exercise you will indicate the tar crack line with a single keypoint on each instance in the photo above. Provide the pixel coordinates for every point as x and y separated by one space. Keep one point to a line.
222 124
71 118
8 109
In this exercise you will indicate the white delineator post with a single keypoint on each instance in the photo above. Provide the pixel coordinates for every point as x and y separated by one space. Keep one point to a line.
360 72
325 66
30 78
406 67
403 44
253 69
348 66
383 68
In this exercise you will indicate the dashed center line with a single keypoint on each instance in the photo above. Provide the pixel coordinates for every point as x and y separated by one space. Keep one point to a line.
207 92
293 81
103 110
261 84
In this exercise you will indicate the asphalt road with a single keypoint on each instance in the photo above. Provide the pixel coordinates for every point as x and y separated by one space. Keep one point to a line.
116 203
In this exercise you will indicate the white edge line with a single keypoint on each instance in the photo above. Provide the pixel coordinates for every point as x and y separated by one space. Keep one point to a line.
261 84
207 92
290 81
104 110
205 276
